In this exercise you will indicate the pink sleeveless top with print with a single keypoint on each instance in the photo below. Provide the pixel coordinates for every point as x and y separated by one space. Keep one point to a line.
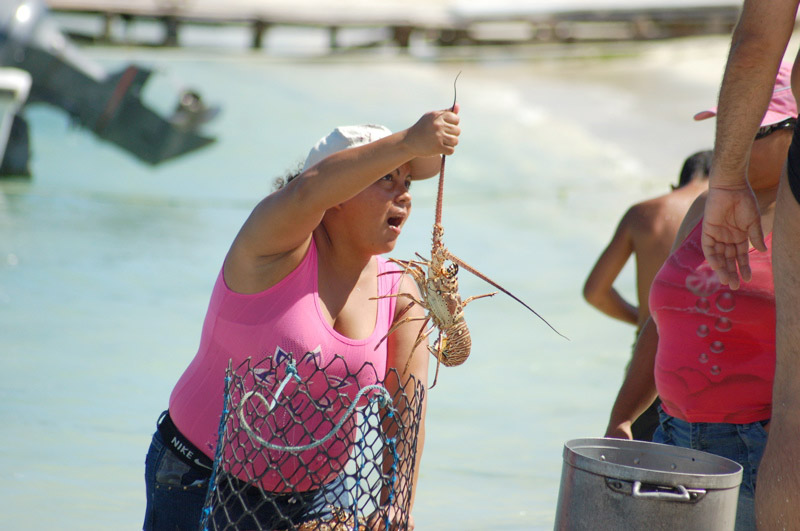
716 347
282 322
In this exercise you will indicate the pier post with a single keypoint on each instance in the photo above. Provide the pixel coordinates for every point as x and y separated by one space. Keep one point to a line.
333 41
644 28
108 20
402 35
452 36
171 25
259 28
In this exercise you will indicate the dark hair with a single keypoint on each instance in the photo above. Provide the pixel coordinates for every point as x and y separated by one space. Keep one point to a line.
699 163
280 182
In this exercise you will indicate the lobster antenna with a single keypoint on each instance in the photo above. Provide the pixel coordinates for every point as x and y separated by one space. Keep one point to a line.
441 170
483 277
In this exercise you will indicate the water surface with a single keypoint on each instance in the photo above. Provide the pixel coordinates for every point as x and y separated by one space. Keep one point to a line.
106 264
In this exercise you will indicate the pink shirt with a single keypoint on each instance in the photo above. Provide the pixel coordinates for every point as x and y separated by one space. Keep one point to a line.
267 326
716 347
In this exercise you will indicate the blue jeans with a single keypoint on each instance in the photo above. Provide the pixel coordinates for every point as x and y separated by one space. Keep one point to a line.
176 493
743 443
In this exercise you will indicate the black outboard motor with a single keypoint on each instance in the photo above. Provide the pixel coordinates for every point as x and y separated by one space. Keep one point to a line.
108 104
15 84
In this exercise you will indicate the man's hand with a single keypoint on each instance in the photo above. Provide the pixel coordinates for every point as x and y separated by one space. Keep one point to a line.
620 431
731 219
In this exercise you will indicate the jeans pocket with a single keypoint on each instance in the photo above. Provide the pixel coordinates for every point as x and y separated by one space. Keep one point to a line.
172 472
175 491
663 433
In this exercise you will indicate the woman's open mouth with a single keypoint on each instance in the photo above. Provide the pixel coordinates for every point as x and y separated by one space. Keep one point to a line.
395 222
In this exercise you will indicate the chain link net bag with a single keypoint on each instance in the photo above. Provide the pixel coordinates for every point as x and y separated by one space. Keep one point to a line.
309 447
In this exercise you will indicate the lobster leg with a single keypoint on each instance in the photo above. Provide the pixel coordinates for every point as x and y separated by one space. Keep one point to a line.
423 335
406 263
435 376
398 324
438 353
410 296
398 320
400 316
475 297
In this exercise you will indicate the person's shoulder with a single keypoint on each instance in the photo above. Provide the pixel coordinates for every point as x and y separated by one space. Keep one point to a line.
691 219
695 212
393 269
642 214
407 282
650 211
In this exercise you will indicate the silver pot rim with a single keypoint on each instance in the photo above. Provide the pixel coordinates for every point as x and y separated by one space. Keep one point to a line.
654 463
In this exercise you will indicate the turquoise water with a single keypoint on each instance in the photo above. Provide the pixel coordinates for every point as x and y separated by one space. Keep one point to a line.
106 264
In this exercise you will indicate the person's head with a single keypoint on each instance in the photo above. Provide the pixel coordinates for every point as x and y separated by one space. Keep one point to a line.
696 166
387 201
771 143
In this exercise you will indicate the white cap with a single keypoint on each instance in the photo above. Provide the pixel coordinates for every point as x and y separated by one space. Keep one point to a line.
349 136
345 137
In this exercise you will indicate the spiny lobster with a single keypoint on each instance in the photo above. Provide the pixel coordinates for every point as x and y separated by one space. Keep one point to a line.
439 295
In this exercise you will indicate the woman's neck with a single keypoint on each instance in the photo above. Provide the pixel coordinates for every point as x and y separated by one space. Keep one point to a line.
342 259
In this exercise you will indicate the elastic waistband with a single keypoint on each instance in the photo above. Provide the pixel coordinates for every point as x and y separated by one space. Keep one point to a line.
181 446
793 164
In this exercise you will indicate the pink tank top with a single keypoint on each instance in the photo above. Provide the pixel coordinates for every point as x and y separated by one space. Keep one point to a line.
283 321
716 347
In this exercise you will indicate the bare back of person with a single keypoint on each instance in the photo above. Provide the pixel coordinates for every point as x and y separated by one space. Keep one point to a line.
654 226
646 231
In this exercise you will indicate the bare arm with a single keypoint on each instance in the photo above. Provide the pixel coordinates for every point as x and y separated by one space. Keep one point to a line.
403 392
778 487
599 288
732 217
757 48
639 387
282 223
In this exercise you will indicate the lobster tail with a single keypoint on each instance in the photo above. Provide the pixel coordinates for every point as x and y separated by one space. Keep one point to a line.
452 347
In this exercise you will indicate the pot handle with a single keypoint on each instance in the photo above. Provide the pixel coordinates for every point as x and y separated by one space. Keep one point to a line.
681 495
662 492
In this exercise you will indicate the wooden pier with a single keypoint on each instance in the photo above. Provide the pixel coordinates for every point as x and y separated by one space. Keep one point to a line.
440 22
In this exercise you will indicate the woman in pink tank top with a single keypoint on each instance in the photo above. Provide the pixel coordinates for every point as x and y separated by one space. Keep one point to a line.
303 279
708 352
